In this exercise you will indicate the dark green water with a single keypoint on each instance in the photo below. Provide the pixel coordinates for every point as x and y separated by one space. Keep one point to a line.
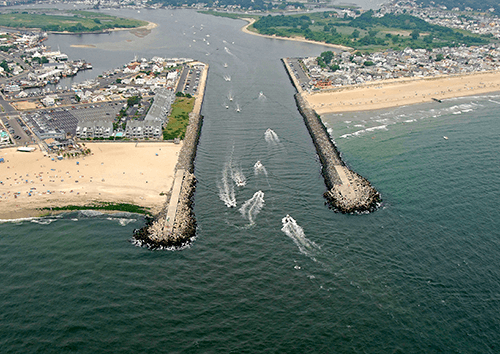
420 275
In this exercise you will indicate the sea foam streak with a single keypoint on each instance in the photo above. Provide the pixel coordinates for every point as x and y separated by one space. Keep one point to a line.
226 189
296 233
253 206
271 137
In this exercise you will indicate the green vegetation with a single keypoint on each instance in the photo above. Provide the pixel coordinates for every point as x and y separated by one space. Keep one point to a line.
69 21
366 32
131 101
225 14
42 60
130 208
178 120
5 66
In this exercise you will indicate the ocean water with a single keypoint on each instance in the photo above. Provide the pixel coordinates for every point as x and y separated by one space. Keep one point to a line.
419 275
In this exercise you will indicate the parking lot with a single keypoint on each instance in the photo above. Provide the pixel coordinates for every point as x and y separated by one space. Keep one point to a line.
299 73
66 119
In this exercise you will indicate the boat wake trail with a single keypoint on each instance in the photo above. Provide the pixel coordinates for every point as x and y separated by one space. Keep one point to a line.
296 233
271 137
253 206
238 176
259 168
226 188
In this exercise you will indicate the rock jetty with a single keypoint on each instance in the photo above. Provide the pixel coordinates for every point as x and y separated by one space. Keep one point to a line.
347 191
175 226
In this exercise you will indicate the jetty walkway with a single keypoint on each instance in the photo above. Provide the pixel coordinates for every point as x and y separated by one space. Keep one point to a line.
347 191
175 225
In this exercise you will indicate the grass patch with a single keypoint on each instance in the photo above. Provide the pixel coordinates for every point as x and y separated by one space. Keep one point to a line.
229 15
178 119
69 21
130 208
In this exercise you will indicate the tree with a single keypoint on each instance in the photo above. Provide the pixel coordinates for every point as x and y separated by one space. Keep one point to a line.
133 100
355 34
415 34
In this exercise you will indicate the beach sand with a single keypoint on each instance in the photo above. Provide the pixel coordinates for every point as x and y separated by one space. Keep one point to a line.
394 93
296 39
133 173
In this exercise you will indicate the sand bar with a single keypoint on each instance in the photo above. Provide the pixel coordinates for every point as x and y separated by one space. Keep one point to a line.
251 21
394 93
82 46
133 173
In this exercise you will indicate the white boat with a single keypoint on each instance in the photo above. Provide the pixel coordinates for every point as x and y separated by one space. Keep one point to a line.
230 97
238 108
445 137
239 179
227 106
225 65
227 77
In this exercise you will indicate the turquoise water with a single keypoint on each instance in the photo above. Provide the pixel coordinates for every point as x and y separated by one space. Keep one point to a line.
417 276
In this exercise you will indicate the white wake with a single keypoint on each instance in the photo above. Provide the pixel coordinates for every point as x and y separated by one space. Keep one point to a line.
271 137
238 176
296 233
253 206
226 188
259 168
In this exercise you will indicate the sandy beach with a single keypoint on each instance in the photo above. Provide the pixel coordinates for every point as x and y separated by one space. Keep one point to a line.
133 173
296 39
394 93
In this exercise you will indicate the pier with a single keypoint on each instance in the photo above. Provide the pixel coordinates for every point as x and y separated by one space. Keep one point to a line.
348 192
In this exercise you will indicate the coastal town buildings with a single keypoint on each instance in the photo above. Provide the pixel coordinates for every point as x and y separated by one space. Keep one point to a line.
409 63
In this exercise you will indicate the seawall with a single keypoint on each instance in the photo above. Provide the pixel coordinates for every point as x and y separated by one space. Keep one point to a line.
347 192
175 225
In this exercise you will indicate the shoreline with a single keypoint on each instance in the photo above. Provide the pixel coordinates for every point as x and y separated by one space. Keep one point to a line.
401 92
251 21
33 181
147 27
